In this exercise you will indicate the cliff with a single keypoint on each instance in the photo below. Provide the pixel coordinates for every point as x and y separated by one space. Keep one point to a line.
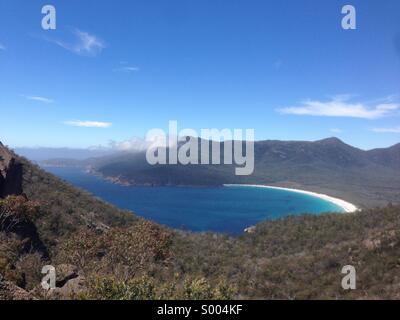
10 173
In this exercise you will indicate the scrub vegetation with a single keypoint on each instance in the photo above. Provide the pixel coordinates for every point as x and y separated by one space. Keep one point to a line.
112 254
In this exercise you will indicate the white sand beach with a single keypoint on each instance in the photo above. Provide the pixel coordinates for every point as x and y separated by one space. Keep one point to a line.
347 206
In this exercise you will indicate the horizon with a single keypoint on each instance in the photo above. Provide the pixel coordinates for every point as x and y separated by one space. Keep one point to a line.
96 79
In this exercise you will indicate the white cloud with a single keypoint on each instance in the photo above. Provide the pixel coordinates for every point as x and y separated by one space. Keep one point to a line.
341 107
40 99
2 47
132 145
127 69
85 44
387 130
88 124
153 140
335 130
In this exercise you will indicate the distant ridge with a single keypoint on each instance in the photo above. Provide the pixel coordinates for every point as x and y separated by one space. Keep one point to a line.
41 153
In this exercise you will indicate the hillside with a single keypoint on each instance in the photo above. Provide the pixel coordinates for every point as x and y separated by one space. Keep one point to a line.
104 253
94 244
63 207
301 257
367 178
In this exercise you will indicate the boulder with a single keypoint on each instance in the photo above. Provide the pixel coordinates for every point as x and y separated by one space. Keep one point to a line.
70 282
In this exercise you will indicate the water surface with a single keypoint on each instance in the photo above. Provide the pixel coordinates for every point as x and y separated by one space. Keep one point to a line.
225 209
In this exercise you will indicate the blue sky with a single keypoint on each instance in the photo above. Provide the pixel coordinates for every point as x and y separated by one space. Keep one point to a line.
113 70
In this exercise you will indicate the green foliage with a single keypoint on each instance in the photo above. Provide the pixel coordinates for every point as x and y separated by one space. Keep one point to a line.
111 289
15 210
122 251
10 251
19 261
301 257
200 289
148 288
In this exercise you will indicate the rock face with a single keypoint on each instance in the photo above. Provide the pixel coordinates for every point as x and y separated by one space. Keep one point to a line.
10 173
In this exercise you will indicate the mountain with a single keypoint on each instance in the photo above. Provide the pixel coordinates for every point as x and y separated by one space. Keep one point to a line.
368 178
389 157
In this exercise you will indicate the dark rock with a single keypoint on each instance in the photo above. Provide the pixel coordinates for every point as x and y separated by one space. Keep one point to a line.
10 173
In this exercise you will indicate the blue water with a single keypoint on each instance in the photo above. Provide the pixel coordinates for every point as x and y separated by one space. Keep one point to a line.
225 209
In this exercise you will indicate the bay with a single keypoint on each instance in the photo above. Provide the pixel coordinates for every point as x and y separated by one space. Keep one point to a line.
219 209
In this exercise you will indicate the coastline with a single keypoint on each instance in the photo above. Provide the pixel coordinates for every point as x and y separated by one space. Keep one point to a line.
346 206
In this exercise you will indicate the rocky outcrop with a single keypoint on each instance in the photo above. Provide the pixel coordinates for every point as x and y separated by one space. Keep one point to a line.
70 282
10 173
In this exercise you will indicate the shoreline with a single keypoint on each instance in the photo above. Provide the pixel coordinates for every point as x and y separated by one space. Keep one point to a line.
346 206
